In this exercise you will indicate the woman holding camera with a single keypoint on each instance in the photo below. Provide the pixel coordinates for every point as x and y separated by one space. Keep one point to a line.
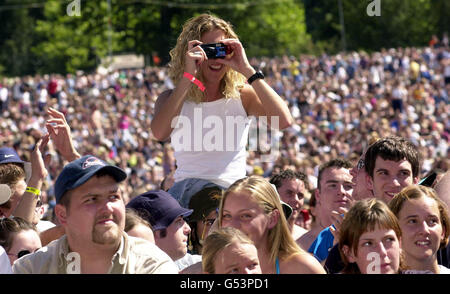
210 101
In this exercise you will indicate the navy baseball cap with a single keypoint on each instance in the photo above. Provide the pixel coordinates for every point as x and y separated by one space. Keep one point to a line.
9 155
79 171
159 208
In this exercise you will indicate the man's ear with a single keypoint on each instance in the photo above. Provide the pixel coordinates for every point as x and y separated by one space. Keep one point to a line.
61 213
349 254
317 194
415 180
273 218
369 182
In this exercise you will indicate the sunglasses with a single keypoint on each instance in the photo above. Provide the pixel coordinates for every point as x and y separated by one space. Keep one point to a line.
21 253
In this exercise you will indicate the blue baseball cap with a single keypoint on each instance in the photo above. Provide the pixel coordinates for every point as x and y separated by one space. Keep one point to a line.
79 171
159 208
9 155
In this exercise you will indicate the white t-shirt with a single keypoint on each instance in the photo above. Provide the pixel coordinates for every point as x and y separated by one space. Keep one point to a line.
187 260
5 265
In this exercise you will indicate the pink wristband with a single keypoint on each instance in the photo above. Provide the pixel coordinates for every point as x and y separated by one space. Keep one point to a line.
194 80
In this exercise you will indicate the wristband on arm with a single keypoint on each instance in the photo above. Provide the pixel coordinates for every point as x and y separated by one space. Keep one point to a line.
34 191
197 82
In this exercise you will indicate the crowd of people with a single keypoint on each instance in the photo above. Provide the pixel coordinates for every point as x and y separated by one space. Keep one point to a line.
380 116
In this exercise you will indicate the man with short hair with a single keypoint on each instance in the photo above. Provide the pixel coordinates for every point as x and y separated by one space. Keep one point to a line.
90 207
392 163
292 187
167 218
389 165
334 194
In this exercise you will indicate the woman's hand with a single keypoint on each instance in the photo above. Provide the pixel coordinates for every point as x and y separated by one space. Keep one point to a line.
237 60
194 57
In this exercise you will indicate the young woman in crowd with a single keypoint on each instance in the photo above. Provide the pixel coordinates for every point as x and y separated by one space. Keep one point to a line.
229 251
18 237
253 206
369 239
424 221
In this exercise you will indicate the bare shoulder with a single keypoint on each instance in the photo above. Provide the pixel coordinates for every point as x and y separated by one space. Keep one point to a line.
305 240
162 98
301 263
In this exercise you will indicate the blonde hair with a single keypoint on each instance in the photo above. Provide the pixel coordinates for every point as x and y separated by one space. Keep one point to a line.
416 192
216 242
279 240
194 29
364 216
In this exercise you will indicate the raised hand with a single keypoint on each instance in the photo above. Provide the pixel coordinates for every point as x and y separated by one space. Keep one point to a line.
237 60
59 132
38 162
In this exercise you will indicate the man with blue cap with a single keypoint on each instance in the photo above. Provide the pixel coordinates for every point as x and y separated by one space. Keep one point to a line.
167 218
91 209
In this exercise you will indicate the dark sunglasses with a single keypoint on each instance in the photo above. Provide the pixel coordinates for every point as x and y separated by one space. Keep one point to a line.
21 253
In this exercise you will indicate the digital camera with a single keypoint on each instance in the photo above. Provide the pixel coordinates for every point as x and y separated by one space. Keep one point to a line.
216 50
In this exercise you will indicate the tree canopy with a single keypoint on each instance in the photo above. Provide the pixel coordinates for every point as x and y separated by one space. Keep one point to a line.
41 37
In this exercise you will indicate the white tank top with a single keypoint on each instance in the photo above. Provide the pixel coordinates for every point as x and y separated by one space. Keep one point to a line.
209 141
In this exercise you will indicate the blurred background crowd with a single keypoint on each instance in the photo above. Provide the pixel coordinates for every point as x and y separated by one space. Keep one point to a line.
339 103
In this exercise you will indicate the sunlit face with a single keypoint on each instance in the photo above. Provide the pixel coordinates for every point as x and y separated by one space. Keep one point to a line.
175 241
24 240
293 193
142 231
242 212
378 252
96 213
336 189
211 69
421 228
389 178
237 258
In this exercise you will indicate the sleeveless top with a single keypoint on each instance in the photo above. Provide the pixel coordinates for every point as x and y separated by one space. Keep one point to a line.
209 141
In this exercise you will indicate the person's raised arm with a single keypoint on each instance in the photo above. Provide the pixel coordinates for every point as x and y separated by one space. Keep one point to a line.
59 131
169 103
27 205
259 98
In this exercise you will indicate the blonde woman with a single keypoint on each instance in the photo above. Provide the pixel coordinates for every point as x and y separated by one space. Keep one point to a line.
207 114
425 225
229 251
370 239
252 205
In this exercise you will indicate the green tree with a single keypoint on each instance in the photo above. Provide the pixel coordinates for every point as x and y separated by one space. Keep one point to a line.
17 37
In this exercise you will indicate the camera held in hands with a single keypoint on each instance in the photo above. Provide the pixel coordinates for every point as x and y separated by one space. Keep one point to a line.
216 50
